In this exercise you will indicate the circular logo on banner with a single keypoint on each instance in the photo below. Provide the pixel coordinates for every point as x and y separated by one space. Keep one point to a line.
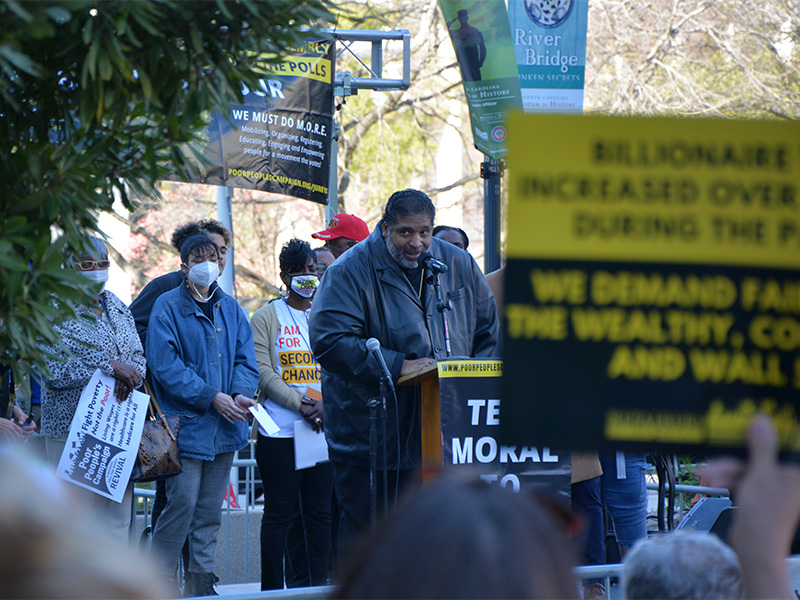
499 133
548 13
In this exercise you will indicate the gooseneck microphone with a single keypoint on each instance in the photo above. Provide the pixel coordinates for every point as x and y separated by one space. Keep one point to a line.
433 265
374 346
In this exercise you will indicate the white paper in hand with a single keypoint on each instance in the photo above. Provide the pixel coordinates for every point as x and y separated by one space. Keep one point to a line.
266 426
310 447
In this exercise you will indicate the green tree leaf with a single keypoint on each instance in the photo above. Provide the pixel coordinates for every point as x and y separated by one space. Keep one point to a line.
94 98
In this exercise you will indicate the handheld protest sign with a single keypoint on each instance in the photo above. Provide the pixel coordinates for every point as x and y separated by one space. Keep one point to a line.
653 282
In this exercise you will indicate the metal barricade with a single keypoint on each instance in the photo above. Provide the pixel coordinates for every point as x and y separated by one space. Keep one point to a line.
605 572
144 499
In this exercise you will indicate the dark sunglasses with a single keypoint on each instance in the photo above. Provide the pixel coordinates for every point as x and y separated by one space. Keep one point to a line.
88 265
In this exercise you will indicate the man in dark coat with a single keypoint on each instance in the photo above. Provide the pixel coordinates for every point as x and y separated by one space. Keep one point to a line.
378 290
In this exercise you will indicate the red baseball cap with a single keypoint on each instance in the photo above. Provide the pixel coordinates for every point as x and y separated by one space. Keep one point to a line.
346 226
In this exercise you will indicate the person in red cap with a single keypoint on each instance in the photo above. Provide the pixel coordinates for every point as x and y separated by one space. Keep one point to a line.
343 232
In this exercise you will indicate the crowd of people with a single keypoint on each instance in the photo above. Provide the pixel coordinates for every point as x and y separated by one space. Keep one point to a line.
358 314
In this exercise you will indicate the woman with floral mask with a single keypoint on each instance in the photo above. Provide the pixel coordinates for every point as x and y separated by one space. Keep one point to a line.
203 364
102 337
288 377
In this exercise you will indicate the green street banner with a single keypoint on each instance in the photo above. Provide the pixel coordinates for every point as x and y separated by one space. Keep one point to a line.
280 140
469 392
482 40
550 48
653 282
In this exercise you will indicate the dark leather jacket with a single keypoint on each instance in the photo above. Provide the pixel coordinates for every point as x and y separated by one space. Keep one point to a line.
365 294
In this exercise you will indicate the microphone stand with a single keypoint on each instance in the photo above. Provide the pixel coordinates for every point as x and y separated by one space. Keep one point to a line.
374 403
373 460
385 390
441 305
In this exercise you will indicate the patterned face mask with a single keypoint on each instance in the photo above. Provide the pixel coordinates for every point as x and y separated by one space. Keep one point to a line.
305 285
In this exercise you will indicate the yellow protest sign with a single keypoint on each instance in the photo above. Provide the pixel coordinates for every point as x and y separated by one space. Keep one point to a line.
653 282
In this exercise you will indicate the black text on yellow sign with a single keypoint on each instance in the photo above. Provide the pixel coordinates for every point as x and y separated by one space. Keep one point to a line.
733 330
470 368
683 352
303 66
289 358
653 281
300 375
674 190
298 366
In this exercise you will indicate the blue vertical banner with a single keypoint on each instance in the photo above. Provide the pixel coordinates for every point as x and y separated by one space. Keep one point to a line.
550 47
482 40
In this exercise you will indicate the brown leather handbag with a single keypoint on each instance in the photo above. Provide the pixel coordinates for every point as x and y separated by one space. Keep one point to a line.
158 456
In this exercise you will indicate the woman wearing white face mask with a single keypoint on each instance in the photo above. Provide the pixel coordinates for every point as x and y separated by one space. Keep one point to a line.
102 337
287 371
201 357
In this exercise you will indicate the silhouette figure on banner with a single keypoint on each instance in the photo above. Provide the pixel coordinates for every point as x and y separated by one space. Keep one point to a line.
469 46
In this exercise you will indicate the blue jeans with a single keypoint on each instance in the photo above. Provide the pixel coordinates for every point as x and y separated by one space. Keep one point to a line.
194 509
625 496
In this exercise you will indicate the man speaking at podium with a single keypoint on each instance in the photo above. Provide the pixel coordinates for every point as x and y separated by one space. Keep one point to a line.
379 289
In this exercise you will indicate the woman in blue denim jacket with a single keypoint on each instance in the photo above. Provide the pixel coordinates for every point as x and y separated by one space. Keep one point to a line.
202 359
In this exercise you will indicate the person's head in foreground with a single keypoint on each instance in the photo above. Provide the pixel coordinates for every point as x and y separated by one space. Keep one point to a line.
51 549
460 537
298 270
683 565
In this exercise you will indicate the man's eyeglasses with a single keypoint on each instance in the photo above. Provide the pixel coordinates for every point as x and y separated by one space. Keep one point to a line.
88 265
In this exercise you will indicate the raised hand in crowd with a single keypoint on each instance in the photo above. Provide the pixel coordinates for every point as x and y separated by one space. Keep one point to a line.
767 493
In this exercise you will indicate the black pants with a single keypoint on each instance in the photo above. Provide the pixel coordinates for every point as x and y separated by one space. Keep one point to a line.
295 565
587 502
351 484
285 489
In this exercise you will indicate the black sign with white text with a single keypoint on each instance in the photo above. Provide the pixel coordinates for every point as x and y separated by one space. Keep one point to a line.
469 392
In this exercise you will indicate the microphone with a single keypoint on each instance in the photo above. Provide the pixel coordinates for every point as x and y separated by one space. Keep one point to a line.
427 261
374 346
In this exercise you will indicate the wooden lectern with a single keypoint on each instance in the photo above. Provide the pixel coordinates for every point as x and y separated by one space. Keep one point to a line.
428 381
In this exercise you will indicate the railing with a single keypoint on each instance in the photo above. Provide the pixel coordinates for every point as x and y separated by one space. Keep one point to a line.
678 504
321 592
147 496
605 572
